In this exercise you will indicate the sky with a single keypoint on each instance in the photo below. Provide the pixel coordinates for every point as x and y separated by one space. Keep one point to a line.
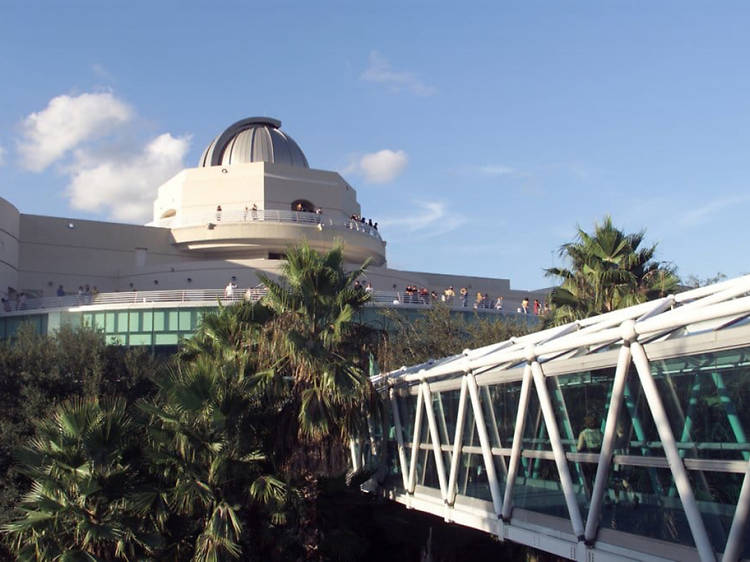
479 135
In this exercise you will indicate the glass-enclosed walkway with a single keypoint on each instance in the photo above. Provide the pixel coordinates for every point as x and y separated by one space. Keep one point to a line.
620 437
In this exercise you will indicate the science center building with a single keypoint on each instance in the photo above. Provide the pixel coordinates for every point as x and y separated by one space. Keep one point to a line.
252 195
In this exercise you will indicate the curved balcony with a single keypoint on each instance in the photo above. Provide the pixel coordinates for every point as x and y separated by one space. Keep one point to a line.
258 233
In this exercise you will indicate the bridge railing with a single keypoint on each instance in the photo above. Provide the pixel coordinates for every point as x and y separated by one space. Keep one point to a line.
618 437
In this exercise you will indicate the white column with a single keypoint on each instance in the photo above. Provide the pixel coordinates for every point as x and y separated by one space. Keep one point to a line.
415 444
484 441
400 439
515 453
557 449
679 472
605 456
435 438
739 522
457 443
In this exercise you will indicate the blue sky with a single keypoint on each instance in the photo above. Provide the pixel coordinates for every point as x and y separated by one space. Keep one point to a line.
478 134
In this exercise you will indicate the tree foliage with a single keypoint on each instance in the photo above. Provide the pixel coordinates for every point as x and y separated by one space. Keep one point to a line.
439 333
608 269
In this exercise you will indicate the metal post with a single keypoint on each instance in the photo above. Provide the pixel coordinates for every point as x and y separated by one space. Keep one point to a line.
399 438
415 444
608 441
484 441
515 453
557 450
735 542
693 514
435 438
457 443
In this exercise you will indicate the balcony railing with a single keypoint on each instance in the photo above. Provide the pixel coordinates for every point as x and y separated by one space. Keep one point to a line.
269 215
211 296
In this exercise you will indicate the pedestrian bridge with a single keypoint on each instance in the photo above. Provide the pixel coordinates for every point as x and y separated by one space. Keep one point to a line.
492 438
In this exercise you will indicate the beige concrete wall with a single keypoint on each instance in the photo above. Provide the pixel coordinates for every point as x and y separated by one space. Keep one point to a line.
326 190
9 235
197 192
75 252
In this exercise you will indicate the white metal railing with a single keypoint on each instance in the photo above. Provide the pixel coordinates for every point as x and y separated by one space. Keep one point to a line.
379 298
269 215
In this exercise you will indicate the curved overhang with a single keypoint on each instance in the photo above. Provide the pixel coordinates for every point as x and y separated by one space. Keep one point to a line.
258 239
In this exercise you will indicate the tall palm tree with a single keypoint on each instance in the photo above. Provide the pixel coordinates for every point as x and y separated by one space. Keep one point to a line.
608 270
83 468
324 350
215 487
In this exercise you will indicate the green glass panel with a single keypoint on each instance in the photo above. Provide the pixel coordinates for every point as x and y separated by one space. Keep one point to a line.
99 320
160 318
185 319
173 321
134 322
147 320
122 321
140 339
87 320
109 323
166 339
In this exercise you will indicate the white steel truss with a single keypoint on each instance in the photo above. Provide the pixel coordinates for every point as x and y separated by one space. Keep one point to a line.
633 340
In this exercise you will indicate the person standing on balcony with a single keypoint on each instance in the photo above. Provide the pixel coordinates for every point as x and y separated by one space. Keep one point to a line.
60 291
499 303
254 212
229 290
218 213
525 305
244 214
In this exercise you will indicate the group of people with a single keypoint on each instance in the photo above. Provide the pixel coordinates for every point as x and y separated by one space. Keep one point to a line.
368 222
538 308
482 300
17 301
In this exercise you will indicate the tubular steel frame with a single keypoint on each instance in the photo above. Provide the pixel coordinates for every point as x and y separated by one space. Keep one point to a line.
647 328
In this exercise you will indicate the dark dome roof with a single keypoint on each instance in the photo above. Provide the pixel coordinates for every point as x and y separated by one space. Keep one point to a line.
256 139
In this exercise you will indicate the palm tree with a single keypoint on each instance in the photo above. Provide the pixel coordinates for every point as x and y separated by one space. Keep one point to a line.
84 477
324 350
608 270
215 487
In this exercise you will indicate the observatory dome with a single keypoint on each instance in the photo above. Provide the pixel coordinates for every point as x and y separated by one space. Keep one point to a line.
256 139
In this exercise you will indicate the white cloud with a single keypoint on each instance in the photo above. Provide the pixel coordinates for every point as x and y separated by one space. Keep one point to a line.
382 166
66 123
707 211
2 156
125 184
496 170
430 218
379 71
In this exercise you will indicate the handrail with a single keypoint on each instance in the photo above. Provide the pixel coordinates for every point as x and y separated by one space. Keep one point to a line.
268 215
378 298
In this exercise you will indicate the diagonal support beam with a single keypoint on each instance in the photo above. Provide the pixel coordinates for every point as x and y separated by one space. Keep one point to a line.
735 541
484 441
515 453
557 449
415 444
608 442
457 442
679 472
435 438
399 438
